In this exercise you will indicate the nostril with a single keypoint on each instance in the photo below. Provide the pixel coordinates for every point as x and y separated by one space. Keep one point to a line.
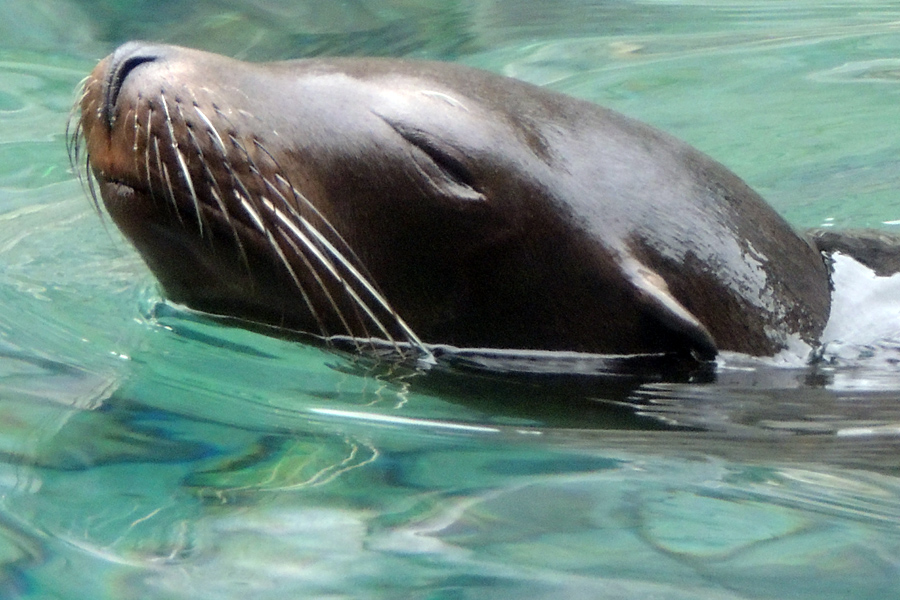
124 61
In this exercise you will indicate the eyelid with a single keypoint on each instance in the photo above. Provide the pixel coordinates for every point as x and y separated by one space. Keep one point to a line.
446 167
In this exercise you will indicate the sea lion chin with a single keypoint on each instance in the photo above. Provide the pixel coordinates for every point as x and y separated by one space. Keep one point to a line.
432 203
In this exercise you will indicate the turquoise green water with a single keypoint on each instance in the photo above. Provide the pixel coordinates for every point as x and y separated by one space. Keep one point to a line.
145 453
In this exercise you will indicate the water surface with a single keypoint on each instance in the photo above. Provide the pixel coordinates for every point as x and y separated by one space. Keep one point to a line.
149 453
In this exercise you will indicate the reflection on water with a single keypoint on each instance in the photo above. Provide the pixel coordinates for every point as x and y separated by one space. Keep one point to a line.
149 453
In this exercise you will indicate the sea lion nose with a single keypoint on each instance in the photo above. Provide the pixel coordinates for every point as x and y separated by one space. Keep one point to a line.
122 63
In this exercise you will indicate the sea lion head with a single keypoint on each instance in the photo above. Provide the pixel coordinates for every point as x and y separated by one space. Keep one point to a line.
254 190
424 201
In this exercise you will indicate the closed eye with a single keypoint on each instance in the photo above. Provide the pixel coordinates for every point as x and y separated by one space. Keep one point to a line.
447 170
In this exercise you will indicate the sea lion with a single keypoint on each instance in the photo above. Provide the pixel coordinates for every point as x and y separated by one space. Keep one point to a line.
433 203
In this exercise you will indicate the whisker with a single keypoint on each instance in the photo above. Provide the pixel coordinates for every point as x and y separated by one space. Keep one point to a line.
324 288
75 135
220 144
149 135
91 187
312 207
164 174
364 278
136 128
312 247
215 192
330 266
182 164
242 196
212 129
329 297
257 219
171 192
274 189
75 111
214 188
76 147
81 167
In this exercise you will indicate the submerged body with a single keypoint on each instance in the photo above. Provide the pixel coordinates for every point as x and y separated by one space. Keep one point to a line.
430 202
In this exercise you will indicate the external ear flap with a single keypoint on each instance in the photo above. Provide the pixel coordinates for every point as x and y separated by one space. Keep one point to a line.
654 294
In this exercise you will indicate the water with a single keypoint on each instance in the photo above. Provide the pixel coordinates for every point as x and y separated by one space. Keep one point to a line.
148 453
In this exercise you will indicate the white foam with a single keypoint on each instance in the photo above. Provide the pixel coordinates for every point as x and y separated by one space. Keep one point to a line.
865 308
